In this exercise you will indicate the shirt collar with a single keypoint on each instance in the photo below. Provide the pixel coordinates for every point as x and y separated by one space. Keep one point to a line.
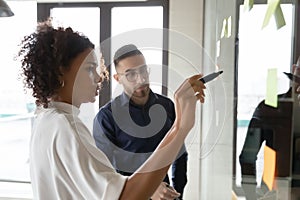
65 107
125 99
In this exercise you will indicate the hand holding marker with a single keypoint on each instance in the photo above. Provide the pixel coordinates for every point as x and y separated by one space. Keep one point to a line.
204 79
210 77
293 77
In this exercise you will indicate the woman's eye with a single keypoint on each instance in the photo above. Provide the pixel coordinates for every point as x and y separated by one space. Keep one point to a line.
90 68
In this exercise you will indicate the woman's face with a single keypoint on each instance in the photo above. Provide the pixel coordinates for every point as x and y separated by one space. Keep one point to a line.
82 81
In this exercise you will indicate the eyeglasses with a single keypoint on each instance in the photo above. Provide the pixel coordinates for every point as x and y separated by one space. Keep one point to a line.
132 74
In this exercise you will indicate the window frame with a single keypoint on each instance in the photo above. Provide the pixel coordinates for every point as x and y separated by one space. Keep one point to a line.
43 12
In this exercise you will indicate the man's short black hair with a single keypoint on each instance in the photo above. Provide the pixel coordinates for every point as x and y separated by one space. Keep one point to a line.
125 52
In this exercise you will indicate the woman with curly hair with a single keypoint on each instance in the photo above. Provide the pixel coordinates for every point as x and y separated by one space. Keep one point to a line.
60 67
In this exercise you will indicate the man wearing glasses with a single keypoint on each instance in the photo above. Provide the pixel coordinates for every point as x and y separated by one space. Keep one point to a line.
129 127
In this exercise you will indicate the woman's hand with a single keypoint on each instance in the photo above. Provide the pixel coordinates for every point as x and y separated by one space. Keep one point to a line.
186 96
165 192
148 177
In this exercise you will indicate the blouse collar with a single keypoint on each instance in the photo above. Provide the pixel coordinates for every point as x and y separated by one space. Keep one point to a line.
65 107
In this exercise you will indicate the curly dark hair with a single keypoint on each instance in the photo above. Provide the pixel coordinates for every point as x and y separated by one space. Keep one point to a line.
45 53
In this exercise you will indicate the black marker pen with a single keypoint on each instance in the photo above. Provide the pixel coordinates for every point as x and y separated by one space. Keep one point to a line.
293 77
210 77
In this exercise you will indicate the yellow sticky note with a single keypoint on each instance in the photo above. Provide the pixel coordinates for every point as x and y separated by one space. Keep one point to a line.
272 6
279 18
271 94
224 28
269 167
228 27
248 5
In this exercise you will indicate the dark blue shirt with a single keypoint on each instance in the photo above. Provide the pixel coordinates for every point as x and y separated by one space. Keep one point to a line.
128 133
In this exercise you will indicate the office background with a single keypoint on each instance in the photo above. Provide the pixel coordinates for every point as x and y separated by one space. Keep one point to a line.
195 42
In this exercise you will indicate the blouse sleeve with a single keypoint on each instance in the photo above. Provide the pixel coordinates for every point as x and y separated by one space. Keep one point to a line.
85 169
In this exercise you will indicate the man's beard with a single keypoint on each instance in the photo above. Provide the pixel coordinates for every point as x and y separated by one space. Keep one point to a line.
141 92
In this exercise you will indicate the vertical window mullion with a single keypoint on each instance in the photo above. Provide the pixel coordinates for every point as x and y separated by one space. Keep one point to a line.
105 34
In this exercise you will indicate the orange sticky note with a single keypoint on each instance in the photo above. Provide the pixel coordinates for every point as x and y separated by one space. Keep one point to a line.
233 196
269 166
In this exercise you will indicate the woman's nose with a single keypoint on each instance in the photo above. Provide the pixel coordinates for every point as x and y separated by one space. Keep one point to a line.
98 78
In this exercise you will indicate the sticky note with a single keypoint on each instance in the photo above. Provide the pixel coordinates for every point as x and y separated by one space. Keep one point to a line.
248 5
274 9
224 28
269 167
279 18
271 93
228 27
233 196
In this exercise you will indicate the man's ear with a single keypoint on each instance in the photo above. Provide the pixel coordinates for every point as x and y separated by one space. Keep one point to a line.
116 77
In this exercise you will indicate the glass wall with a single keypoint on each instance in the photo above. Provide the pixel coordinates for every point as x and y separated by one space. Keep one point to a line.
265 130
259 50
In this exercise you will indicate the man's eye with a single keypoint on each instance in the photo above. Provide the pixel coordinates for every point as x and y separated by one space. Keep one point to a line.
131 74
143 70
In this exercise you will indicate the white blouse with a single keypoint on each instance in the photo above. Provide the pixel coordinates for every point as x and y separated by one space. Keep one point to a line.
64 160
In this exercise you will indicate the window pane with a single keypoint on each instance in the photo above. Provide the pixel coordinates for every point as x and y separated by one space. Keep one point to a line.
16 108
88 22
259 50
125 20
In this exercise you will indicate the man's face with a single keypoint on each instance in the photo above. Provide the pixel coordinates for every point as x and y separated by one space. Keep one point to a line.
133 74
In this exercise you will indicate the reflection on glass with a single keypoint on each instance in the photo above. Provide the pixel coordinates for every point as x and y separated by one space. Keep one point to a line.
258 124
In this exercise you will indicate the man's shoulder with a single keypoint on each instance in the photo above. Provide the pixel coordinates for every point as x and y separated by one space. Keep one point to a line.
165 102
105 107
115 101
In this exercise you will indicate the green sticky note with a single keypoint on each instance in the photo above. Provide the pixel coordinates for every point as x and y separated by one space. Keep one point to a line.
271 93
228 33
224 28
279 18
248 5
272 6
